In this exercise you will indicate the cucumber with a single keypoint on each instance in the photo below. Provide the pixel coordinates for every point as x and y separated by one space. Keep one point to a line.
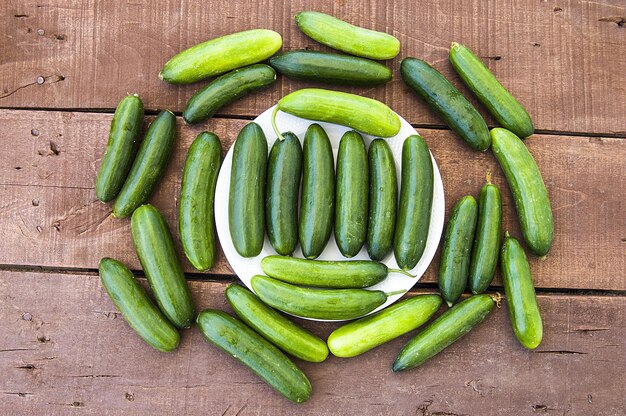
486 239
277 329
220 55
152 157
416 200
340 35
330 68
136 307
196 221
360 336
500 103
155 249
520 294
317 303
226 89
529 191
448 102
246 200
121 148
360 113
351 200
255 352
284 173
383 200
317 200
444 331
457 249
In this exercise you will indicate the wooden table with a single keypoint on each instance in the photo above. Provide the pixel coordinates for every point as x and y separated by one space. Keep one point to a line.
64 65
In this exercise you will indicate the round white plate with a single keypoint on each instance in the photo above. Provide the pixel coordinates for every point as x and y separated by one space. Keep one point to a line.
245 268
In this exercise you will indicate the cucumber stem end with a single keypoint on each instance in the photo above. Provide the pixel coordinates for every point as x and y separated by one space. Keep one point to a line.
274 126
404 272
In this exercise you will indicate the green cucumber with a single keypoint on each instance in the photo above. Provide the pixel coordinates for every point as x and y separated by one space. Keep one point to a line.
157 254
330 68
220 55
351 200
284 173
121 148
152 157
529 191
246 200
275 327
500 103
416 200
255 352
448 102
196 221
226 89
444 331
133 302
360 336
340 35
520 294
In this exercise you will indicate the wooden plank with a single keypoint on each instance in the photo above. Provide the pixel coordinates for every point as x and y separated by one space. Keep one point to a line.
70 352
565 61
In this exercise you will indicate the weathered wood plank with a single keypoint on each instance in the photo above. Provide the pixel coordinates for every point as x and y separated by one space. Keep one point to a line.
565 61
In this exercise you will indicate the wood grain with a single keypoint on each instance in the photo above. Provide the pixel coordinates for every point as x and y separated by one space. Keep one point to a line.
563 60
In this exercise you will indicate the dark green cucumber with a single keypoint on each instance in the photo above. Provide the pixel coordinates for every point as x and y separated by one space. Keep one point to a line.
157 254
152 157
486 239
136 307
275 327
444 331
317 303
351 197
447 101
284 173
457 249
121 147
520 294
246 201
360 336
416 200
383 200
500 103
196 221
317 200
529 191
255 352
226 89
330 68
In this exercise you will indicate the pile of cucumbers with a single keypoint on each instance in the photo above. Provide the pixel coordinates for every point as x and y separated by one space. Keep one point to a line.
298 195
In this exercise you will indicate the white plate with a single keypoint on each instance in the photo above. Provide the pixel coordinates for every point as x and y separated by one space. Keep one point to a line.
245 268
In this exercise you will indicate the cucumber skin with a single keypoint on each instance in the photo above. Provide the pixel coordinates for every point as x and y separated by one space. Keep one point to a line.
447 101
226 89
284 173
445 330
498 100
196 220
121 148
366 333
275 327
520 294
136 307
246 200
529 191
255 352
351 197
317 200
330 68
149 165
157 255
416 199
